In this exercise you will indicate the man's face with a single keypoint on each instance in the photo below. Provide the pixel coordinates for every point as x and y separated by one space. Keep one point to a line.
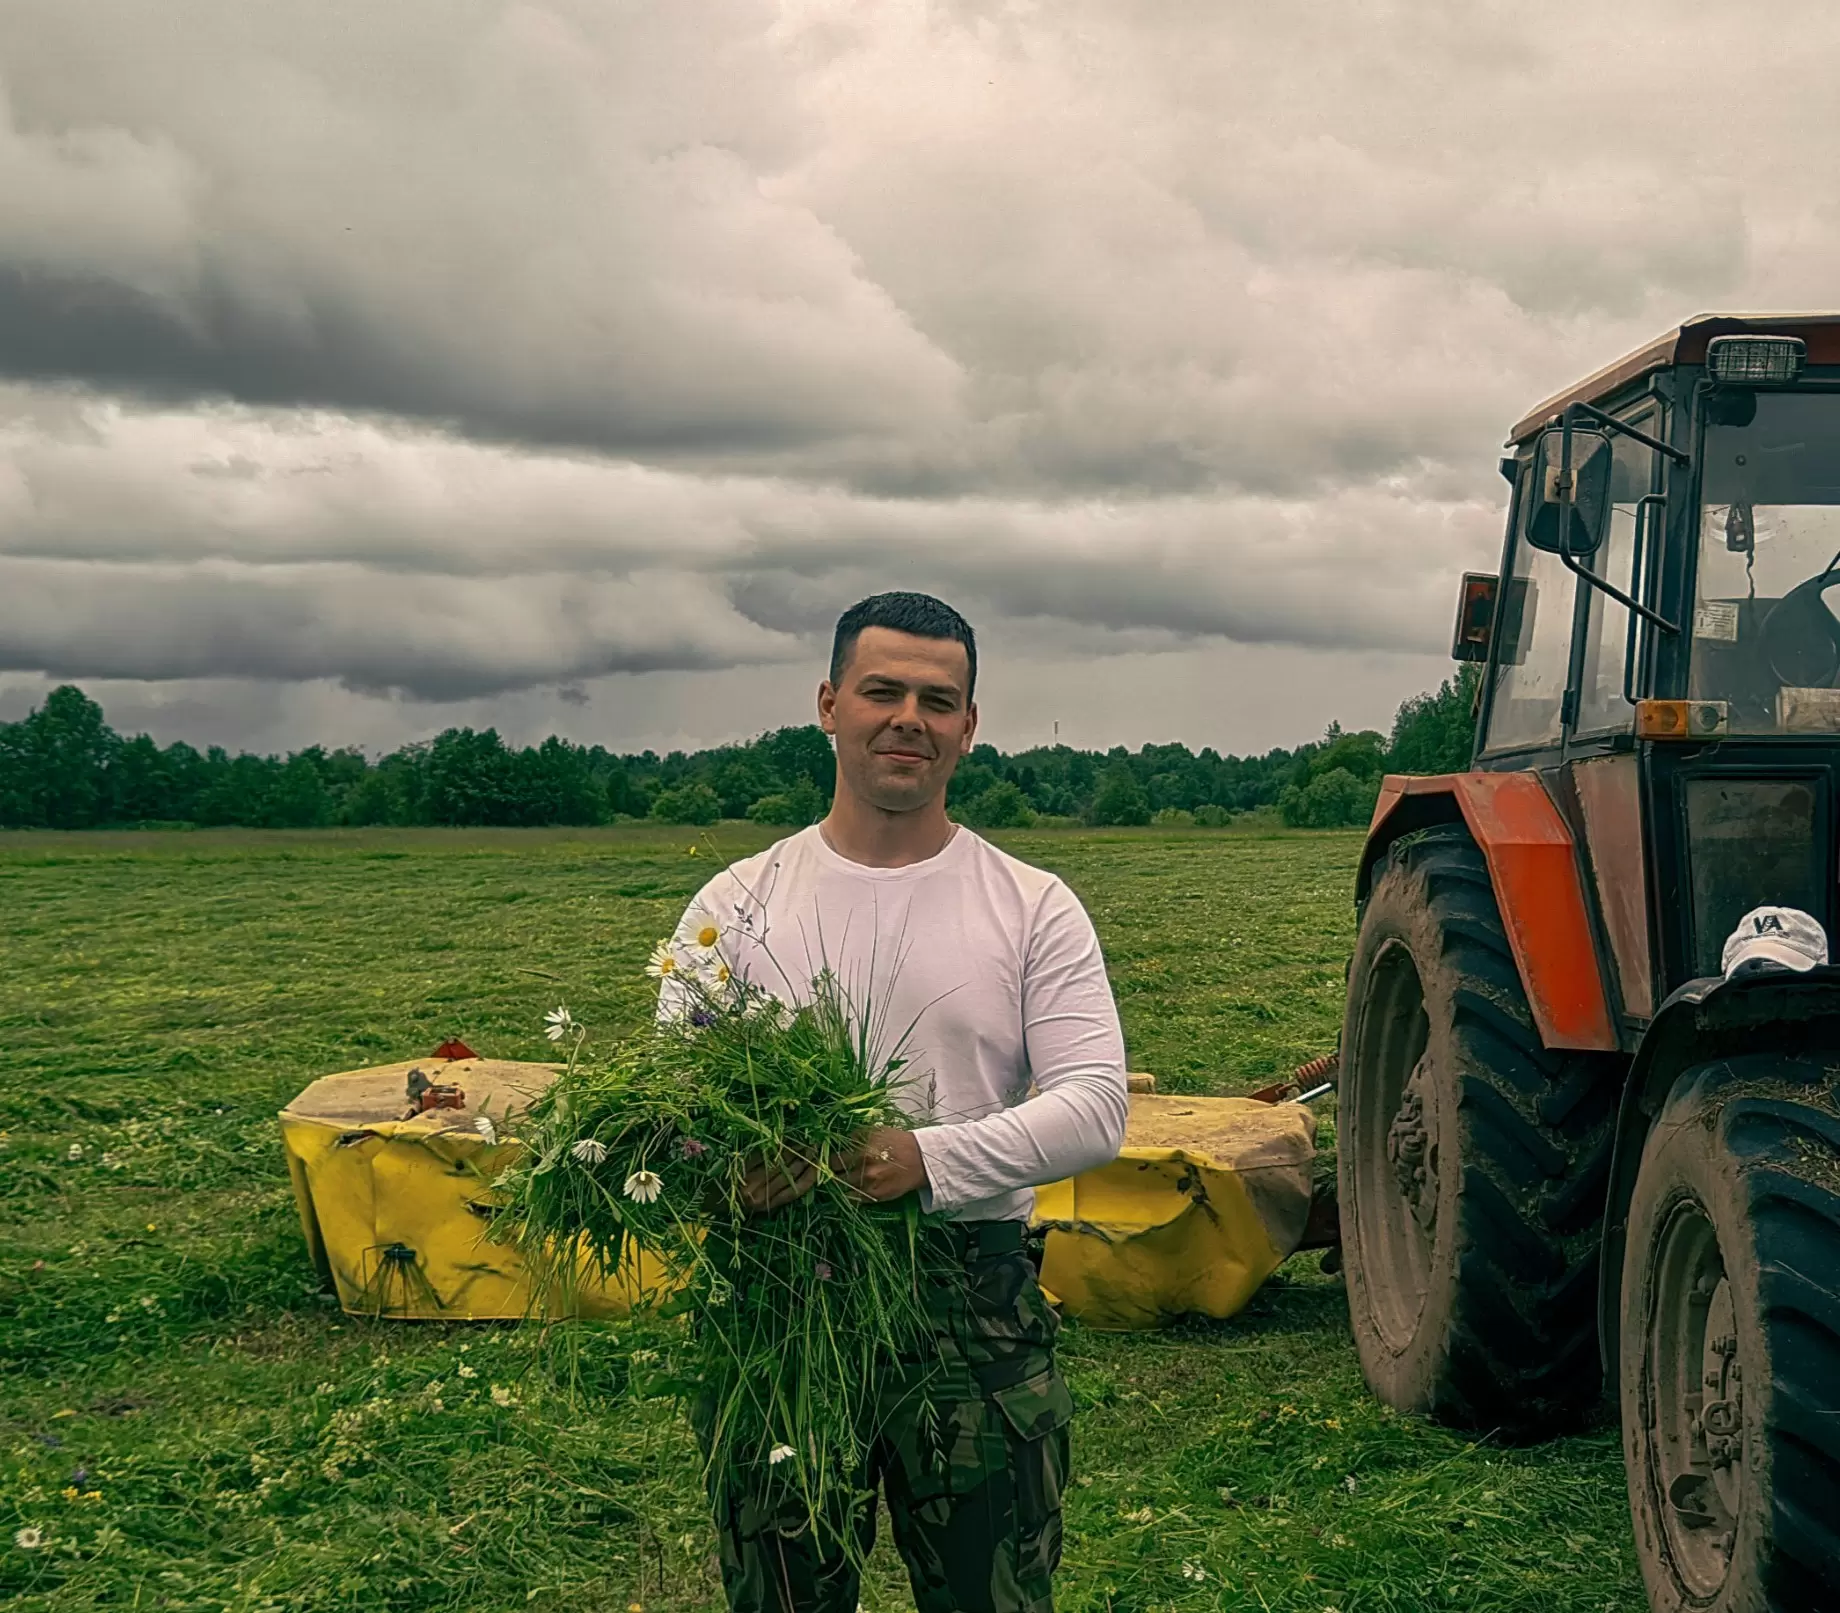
900 716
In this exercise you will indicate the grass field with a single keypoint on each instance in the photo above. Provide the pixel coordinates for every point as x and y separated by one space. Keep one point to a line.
187 1424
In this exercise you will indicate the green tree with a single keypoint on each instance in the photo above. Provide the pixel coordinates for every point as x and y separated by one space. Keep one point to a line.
18 789
342 772
467 779
1362 754
1170 791
793 808
377 798
298 797
972 778
552 784
625 798
1337 799
1119 799
188 773
1436 733
54 767
1002 806
776 810
62 766
140 784
803 753
687 803
742 777
237 789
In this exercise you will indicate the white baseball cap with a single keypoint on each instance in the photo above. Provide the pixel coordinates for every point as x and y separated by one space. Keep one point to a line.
1784 937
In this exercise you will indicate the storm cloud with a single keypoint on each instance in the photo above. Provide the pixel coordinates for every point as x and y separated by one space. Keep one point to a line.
439 354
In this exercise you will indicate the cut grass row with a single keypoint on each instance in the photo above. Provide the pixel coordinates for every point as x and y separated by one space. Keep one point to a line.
188 1425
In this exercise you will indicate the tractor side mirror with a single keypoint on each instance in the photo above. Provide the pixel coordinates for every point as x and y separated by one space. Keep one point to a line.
1548 526
1475 616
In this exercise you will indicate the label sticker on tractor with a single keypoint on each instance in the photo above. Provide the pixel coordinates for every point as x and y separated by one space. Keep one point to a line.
1716 619
1808 711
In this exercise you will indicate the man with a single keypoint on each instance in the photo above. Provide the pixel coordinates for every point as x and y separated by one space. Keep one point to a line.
988 973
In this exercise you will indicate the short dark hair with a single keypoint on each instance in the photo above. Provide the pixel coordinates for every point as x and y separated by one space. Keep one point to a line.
919 614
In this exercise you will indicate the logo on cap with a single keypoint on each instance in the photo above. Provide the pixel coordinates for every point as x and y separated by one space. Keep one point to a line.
1774 938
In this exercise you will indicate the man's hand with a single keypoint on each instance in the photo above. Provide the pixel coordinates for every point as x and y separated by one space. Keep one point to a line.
769 1184
888 1165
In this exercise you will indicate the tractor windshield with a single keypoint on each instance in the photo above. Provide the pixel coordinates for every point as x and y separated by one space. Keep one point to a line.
1766 633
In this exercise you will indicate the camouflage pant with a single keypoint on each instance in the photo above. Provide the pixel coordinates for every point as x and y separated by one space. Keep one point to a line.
973 1482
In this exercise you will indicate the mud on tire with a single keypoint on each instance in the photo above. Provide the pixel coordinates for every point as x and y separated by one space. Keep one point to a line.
1730 1369
1473 1162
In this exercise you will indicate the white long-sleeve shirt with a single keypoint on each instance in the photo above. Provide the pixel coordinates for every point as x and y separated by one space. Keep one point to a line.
984 970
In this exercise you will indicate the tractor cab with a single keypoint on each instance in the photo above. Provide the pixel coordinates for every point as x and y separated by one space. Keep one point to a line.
1570 1149
1661 641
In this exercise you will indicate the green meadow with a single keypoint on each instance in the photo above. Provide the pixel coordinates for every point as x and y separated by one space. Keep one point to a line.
187 1423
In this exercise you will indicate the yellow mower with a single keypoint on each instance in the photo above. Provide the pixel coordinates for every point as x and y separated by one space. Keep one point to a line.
392 1169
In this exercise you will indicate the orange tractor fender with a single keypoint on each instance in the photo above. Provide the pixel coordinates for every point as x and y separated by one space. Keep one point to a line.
1533 864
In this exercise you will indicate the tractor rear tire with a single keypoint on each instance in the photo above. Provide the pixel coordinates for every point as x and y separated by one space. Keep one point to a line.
1473 1161
1730 1369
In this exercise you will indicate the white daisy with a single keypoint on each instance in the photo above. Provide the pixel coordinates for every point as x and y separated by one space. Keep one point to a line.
780 1453
590 1151
483 1125
767 1006
643 1186
707 934
558 1022
32 1539
662 963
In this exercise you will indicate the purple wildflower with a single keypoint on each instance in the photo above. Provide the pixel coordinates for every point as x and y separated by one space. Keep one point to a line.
692 1149
824 1271
702 1018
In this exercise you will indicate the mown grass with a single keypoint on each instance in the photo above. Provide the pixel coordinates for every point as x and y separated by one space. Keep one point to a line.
190 1425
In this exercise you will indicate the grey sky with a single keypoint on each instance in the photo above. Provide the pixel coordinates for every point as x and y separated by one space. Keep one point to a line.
367 368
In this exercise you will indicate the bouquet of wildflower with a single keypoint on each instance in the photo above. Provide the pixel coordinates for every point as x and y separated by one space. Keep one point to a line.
798 1314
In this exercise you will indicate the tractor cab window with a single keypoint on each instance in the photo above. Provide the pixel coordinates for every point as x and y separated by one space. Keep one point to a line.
1534 638
1766 636
1601 706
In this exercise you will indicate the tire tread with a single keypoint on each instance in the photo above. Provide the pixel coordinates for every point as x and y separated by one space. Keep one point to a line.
1522 1355
1781 1153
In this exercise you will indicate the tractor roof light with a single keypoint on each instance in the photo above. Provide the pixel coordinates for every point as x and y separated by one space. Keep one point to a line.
1755 360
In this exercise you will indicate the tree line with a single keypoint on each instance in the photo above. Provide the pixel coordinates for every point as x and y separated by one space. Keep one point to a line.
63 767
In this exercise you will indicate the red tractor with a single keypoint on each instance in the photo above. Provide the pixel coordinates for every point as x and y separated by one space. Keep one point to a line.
1576 1154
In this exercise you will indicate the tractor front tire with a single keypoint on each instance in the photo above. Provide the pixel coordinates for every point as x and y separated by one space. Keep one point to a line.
1473 1162
1730 1354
